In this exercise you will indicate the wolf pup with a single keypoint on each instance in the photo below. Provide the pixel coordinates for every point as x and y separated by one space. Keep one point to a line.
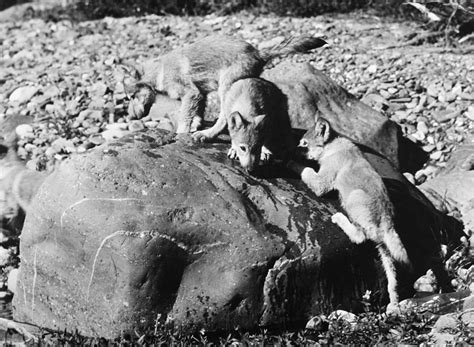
256 113
212 63
362 194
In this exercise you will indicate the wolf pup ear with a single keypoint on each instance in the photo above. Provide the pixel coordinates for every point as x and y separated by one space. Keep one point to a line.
259 120
235 121
130 70
323 129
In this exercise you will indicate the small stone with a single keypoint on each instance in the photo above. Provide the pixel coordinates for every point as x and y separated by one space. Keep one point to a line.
418 135
445 115
442 96
436 155
457 89
428 148
446 321
470 112
23 94
402 114
343 315
96 139
422 127
404 100
111 134
24 131
433 90
63 145
373 99
467 96
4 256
426 283
450 97
151 124
12 280
136 125
392 90
412 104
315 323
372 69
385 94
467 317
442 339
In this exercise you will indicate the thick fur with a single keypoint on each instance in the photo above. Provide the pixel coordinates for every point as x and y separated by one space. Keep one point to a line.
362 194
212 63
257 118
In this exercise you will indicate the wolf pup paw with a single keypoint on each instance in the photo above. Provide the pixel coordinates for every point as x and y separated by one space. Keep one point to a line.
232 153
196 124
266 155
200 136
393 309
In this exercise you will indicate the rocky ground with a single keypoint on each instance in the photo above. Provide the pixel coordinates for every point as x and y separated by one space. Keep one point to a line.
61 78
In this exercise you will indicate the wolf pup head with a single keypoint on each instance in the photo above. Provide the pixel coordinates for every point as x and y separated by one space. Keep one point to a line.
142 98
247 138
315 139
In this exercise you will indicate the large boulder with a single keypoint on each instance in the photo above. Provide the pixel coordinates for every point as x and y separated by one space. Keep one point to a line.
148 230
311 93
452 190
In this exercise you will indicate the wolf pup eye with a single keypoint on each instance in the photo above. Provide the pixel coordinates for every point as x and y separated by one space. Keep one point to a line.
243 148
303 143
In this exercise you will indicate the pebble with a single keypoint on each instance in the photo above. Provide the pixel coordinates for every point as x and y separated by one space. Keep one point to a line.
426 283
315 323
428 148
446 321
467 96
111 134
136 125
433 90
372 69
436 155
23 94
422 127
63 145
470 112
12 280
24 131
445 115
343 315
4 256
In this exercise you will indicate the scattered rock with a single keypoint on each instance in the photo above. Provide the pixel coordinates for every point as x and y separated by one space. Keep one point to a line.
453 188
426 283
23 94
4 256
349 317
24 131
448 321
12 280
446 115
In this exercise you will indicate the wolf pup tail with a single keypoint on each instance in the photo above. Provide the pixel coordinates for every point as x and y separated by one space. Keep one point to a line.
292 45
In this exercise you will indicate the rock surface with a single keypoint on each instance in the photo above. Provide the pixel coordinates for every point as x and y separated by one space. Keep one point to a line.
453 188
311 93
146 229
